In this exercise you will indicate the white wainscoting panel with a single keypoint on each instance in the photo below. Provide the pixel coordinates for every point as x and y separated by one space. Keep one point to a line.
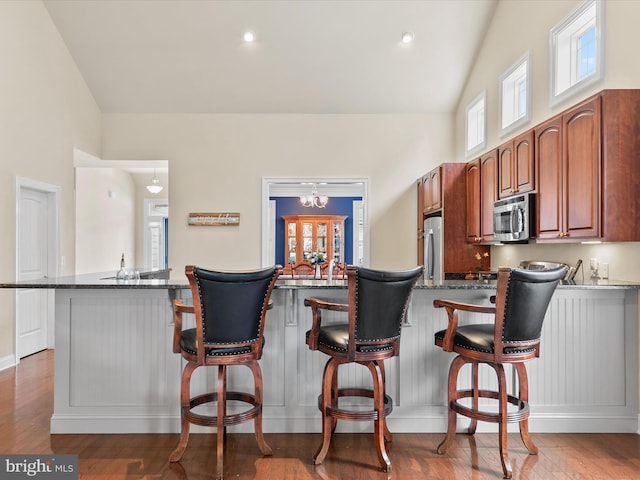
115 370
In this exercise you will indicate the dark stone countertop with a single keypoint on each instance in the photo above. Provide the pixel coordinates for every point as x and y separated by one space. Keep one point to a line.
107 281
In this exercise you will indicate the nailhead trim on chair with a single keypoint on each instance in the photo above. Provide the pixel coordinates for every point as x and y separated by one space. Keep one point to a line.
506 350
333 347
388 339
203 315
503 325
506 304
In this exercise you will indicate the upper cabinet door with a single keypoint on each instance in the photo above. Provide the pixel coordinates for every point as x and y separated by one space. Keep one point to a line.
516 166
525 171
420 229
432 188
549 203
582 168
488 193
473 201
506 170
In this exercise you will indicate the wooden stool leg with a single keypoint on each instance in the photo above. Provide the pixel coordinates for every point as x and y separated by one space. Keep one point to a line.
523 394
474 402
176 455
380 424
456 365
387 433
502 394
334 398
257 422
328 423
222 411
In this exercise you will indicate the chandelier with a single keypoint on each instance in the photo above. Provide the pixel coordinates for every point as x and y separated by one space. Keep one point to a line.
155 186
314 200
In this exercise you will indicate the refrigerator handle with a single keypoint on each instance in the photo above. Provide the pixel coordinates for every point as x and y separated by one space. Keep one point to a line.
430 255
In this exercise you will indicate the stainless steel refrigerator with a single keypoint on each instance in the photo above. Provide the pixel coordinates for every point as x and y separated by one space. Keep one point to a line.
433 248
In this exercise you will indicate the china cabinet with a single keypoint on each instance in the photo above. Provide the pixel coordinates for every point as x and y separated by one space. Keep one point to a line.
307 235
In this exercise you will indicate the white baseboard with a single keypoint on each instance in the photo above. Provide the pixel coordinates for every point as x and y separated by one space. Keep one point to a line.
7 362
115 424
397 424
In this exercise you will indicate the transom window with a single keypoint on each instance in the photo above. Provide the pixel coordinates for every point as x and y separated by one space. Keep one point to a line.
515 95
476 135
576 51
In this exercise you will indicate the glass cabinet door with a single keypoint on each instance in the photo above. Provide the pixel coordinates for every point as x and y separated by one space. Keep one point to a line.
291 241
321 238
307 238
337 242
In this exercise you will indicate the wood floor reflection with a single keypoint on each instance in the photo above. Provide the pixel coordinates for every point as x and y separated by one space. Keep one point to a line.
26 401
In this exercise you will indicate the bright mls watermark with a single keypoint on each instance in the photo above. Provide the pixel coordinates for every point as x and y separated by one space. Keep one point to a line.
51 467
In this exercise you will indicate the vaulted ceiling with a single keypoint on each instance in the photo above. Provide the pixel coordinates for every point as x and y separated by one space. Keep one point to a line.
309 56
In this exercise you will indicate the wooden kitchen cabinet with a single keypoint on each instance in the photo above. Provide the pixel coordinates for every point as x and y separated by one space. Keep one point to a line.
489 193
420 222
516 166
568 157
481 192
432 190
429 201
620 183
304 234
458 255
473 201
588 170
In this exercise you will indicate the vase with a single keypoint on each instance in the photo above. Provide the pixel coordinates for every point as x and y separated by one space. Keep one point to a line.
484 277
318 273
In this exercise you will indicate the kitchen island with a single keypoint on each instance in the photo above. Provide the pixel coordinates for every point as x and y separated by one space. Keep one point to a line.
115 371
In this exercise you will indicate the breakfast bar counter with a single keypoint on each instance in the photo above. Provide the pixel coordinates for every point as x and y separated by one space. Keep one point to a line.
115 371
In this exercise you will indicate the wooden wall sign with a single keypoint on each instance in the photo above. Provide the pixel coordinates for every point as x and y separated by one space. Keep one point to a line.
214 219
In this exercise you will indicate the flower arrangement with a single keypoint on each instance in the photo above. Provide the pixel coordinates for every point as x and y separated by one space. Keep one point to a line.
316 257
480 259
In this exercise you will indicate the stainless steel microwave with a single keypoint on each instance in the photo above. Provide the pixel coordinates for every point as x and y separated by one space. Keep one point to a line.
513 218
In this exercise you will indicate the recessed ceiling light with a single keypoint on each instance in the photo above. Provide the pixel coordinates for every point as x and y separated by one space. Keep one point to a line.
248 37
408 37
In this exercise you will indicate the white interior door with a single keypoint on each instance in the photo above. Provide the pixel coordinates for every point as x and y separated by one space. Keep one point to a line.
36 224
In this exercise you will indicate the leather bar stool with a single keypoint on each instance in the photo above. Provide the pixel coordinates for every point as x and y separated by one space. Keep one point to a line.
376 308
230 310
522 298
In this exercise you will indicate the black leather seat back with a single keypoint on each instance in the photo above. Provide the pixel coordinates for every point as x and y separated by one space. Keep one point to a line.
232 303
382 298
528 295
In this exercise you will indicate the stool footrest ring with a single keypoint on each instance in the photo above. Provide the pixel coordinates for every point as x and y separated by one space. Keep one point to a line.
356 415
517 416
228 420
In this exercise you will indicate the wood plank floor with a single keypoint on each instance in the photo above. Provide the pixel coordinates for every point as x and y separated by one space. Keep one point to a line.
26 404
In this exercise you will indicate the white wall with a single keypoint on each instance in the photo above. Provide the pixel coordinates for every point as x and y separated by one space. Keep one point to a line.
105 219
216 163
521 25
46 110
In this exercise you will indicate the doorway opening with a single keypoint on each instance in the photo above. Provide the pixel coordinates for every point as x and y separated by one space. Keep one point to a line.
282 187
113 204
